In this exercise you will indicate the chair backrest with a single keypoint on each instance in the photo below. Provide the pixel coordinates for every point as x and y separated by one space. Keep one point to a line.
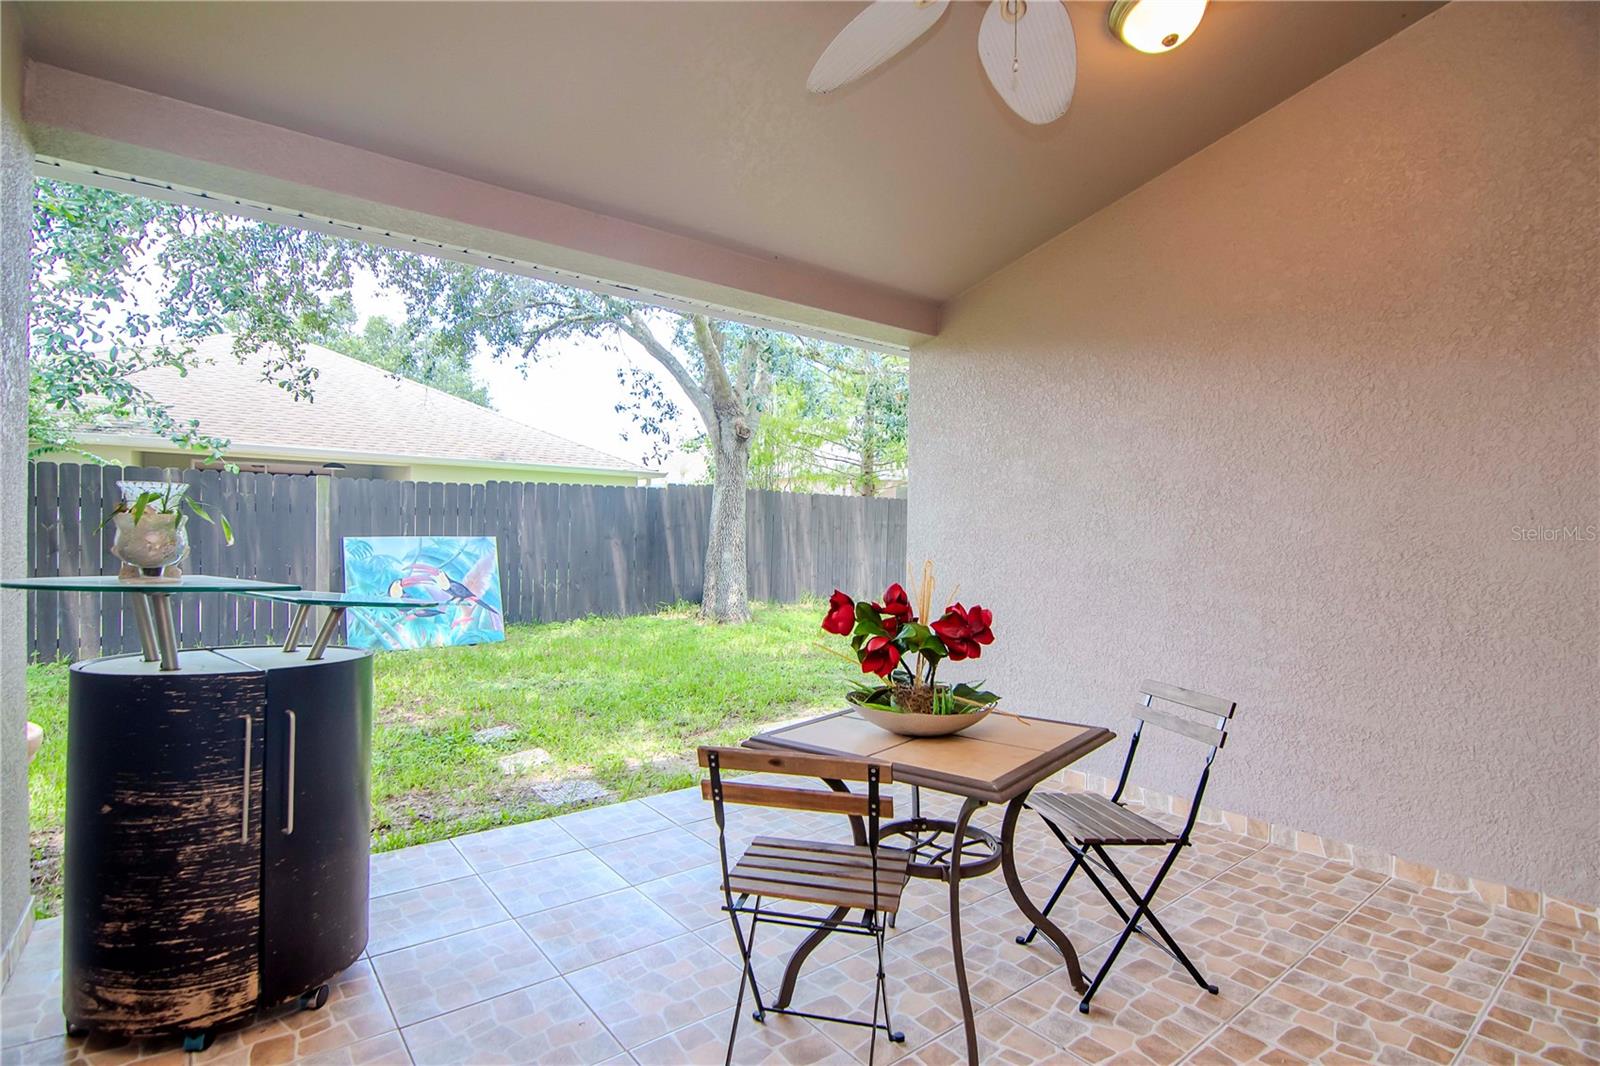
1212 733
759 794
1219 710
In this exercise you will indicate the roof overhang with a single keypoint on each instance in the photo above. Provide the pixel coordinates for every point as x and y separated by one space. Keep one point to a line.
151 442
101 132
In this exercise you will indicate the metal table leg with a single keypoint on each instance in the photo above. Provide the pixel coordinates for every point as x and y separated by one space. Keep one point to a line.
968 808
1008 863
166 632
325 634
140 606
302 614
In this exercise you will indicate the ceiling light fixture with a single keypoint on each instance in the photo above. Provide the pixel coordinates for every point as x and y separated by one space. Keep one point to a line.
1155 26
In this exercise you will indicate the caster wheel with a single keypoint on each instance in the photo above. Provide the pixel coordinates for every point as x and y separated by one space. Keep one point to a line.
315 999
76 1031
1083 1008
759 1016
1022 940
897 1038
1212 989
193 1042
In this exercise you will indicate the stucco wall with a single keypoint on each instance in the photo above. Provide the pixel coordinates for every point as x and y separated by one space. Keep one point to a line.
16 198
1270 427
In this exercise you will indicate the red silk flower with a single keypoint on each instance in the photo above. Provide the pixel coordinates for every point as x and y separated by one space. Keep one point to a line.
841 616
978 619
879 656
963 632
896 610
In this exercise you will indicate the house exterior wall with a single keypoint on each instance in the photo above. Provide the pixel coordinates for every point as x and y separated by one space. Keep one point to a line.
447 472
16 206
114 454
1310 421
478 475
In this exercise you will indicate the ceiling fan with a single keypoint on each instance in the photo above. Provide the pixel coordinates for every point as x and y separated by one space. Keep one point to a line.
1027 46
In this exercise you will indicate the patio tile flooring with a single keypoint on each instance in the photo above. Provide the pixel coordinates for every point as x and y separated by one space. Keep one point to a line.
596 938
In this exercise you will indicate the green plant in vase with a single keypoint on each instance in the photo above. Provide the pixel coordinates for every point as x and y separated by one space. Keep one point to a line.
150 535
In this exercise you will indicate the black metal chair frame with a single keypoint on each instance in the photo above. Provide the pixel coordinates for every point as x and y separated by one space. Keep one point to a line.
872 923
1142 909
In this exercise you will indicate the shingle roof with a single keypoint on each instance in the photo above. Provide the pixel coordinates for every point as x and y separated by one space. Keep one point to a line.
356 409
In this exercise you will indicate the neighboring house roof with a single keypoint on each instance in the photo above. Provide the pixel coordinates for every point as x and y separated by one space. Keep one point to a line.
357 412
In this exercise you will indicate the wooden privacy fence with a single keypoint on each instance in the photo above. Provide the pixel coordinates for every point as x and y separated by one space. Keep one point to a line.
566 551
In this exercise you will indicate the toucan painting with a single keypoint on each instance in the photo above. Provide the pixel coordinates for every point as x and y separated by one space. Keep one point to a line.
455 581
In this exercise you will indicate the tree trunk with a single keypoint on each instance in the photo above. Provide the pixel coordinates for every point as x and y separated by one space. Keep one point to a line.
725 596
868 485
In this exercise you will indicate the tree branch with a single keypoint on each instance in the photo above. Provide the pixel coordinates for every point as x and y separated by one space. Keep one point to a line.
717 383
635 326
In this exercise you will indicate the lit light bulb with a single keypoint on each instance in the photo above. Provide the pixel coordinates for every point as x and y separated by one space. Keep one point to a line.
1155 26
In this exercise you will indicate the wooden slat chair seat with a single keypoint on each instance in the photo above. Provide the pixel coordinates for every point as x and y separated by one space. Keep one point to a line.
775 872
1091 818
836 875
1087 823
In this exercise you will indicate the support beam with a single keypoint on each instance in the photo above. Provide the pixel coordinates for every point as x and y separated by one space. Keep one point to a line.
102 125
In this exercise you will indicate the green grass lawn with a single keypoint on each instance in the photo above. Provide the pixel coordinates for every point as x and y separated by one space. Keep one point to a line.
602 704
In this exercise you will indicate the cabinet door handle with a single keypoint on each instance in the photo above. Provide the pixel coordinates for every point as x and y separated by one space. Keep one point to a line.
244 819
288 818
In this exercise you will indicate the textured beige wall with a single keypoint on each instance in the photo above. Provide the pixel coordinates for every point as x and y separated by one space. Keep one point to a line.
1270 426
16 197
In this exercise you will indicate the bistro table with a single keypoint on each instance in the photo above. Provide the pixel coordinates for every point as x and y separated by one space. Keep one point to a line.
999 760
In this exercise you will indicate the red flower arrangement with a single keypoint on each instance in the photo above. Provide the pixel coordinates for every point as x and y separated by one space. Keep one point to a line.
891 640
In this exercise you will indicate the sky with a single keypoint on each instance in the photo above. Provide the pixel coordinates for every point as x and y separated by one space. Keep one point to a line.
571 392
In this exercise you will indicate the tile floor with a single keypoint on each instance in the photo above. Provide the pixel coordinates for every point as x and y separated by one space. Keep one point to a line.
596 938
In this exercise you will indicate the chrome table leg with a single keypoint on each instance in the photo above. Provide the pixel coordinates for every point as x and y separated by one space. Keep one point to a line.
325 634
302 614
140 606
166 632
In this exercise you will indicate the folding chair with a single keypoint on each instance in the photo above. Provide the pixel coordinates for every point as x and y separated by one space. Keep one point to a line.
845 877
1088 823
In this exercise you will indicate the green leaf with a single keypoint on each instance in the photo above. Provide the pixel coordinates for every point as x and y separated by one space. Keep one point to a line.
974 694
868 623
227 530
144 501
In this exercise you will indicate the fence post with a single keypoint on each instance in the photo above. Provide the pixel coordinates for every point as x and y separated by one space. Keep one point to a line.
322 551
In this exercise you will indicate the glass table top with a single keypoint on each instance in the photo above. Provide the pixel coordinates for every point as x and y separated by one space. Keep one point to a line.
186 583
338 599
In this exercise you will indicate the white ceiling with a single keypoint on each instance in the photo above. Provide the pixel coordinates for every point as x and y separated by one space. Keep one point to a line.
693 117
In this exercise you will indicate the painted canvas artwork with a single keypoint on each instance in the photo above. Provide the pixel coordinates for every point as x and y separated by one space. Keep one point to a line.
455 581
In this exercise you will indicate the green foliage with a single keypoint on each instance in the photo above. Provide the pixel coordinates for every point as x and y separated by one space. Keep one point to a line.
820 416
836 420
100 258
399 349
619 701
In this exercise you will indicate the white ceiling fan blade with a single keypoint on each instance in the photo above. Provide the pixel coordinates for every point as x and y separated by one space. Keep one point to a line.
1038 85
873 37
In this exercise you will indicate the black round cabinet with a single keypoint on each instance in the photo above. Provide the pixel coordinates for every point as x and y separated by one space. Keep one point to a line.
216 837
